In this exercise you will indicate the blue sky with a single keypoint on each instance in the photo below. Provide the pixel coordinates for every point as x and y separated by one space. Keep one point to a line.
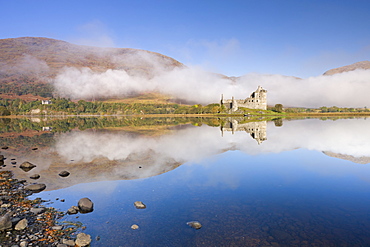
301 38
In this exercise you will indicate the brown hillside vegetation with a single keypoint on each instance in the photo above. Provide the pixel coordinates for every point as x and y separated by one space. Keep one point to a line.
359 65
28 64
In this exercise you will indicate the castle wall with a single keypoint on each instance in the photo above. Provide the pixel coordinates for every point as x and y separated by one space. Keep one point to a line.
257 100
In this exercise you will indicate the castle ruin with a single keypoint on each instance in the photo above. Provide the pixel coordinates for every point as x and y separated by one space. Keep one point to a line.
257 100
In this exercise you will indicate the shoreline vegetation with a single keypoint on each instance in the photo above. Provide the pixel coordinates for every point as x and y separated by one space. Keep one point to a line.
67 107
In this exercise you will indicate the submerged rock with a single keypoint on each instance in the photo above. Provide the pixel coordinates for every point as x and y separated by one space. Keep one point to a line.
194 224
83 239
85 205
4 147
27 166
5 222
139 205
35 187
64 174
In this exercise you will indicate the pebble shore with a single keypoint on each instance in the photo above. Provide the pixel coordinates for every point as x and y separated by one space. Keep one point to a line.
25 222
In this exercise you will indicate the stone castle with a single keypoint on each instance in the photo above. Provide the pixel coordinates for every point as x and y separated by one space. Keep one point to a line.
257 100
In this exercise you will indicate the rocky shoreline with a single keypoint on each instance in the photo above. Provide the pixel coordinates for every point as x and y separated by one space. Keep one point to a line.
25 222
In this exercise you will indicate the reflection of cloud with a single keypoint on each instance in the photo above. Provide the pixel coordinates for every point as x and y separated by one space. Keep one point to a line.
349 137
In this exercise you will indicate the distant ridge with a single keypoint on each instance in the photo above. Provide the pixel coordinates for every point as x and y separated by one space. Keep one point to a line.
358 65
57 54
28 64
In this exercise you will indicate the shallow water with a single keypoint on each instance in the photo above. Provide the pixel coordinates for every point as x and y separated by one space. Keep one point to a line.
306 184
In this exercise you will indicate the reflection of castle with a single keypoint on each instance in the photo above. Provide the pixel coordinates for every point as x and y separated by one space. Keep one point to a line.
257 100
257 130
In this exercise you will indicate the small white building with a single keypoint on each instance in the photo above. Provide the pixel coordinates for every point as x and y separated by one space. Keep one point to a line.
46 102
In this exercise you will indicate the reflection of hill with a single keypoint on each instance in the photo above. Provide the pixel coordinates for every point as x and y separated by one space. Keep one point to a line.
359 160
99 169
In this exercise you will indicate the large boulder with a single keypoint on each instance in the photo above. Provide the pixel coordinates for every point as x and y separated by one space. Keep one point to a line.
85 205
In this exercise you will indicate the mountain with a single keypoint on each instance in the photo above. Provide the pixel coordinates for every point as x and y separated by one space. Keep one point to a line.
359 65
28 64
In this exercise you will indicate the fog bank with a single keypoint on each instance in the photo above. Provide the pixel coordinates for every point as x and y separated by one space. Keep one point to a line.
347 89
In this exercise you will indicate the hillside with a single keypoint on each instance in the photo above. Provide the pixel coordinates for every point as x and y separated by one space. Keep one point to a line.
359 65
28 64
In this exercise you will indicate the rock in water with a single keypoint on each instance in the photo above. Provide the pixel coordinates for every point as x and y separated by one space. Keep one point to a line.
5 222
134 227
27 166
194 224
35 176
35 187
139 205
64 174
83 239
21 225
85 205
1 157
73 210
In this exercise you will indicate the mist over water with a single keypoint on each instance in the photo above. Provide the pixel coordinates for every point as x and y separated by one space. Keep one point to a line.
348 89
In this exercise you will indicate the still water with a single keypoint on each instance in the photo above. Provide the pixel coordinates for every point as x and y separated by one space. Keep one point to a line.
295 183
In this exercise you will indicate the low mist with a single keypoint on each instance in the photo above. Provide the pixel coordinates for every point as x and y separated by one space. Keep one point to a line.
347 89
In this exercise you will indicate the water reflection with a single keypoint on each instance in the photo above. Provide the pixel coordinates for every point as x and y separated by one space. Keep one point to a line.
257 130
98 155
249 183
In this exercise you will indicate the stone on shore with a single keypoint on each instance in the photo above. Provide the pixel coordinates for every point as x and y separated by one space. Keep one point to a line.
194 224
21 225
85 205
37 210
64 174
35 187
68 242
83 239
27 166
139 205
5 222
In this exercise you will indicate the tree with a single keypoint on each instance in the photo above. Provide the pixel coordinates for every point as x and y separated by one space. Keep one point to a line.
4 111
279 108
